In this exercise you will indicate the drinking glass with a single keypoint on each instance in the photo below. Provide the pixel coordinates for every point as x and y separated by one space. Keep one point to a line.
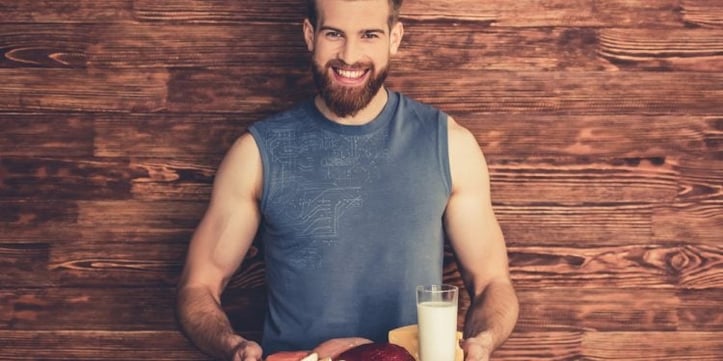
437 321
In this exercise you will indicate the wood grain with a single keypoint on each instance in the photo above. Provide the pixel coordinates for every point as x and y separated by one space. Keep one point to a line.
118 309
82 90
560 309
689 266
44 45
557 346
97 345
65 11
192 137
661 346
699 50
601 123
526 13
65 178
43 134
703 13
588 93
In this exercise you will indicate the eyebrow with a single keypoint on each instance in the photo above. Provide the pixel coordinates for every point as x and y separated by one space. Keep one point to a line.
371 30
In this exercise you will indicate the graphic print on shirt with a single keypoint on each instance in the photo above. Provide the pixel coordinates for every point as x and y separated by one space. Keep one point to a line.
316 179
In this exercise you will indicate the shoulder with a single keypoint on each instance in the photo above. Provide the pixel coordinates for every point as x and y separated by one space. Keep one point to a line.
241 171
461 138
423 110
467 163
289 118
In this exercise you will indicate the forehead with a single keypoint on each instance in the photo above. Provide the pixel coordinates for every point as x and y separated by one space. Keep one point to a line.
351 14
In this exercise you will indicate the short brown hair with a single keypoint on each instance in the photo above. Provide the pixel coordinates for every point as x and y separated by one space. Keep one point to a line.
394 6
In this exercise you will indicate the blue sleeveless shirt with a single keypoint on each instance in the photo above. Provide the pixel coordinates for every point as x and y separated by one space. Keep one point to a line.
351 220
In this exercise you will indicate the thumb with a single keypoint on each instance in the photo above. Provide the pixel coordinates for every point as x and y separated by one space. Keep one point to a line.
474 351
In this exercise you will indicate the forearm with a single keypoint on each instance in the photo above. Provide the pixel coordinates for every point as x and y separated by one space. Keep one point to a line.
492 314
205 323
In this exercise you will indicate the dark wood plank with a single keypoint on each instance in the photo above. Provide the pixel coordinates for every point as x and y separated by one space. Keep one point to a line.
96 262
699 221
65 11
25 263
149 215
714 138
97 345
175 179
651 49
513 182
653 346
249 44
468 47
234 90
526 13
101 261
52 178
615 309
702 178
35 213
44 134
595 137
44 45
546 181
700 310
542 310
607 309
548 346
588 93
463 47
93 262
569 309
575 224
704 13
77 89
685 266
223 11
115 309
237 90
192 137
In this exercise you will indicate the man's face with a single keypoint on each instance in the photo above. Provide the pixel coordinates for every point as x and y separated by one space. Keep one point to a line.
351 46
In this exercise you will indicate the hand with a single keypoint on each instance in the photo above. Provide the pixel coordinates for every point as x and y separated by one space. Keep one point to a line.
246 351
477 348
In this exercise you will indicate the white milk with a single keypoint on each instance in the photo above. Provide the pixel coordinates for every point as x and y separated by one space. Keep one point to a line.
437 330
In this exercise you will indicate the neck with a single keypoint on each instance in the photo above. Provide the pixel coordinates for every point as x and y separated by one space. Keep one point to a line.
363 116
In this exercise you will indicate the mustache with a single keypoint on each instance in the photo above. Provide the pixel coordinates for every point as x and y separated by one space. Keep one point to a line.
341 64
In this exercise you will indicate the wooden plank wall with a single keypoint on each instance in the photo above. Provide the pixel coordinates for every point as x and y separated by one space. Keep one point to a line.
602 122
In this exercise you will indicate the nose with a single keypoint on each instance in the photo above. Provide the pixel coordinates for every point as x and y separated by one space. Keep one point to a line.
351 51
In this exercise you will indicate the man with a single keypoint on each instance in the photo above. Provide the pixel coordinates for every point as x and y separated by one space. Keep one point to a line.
352 195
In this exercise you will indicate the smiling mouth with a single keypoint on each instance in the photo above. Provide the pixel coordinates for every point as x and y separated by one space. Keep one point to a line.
350 74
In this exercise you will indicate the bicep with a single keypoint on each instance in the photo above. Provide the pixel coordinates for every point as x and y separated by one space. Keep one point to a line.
470 222
227 229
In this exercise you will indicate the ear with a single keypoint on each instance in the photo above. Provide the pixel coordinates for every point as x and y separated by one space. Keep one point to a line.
309 34
396 37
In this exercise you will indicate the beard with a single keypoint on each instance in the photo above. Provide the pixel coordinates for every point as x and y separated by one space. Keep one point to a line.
342 100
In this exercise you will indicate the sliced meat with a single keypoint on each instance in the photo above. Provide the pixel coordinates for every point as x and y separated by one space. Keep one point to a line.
288 356
332 348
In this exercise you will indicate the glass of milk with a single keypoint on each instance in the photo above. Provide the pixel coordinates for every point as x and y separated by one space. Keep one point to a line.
437 321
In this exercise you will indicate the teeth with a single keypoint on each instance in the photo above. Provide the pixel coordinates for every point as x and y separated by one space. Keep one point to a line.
352 74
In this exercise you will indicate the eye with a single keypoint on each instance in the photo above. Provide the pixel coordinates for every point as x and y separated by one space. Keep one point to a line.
370 35
332 34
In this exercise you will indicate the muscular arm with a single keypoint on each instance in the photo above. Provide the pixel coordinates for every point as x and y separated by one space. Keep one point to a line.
480 248
217 248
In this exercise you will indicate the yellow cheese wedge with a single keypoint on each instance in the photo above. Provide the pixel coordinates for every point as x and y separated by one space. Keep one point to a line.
406 337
